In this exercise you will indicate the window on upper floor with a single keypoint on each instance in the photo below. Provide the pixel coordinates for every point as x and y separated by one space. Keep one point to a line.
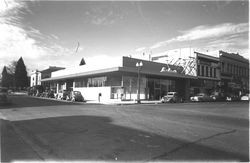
202 70
206 71
215 73
198 70
222 66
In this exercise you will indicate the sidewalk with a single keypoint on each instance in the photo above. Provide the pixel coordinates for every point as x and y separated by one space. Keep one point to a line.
120 102
106 102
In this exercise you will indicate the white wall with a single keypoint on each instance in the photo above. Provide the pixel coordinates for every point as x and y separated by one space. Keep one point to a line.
37 78
91 93
98 63
134 96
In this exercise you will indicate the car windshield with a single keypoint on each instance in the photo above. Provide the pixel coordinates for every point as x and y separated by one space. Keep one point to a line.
200 94
171 94
77 92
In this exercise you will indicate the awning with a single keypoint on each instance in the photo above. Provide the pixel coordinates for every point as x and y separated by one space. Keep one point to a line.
121 69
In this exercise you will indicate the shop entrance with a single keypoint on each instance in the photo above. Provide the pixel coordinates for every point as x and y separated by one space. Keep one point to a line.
157 88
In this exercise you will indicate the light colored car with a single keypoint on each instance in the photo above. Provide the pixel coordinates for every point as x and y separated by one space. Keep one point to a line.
201 97
63 94
171 97
245 97
4 96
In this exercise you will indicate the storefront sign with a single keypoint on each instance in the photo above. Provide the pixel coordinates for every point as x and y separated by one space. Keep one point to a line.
164 69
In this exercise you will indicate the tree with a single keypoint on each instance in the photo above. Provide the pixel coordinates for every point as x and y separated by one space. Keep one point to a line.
12 67
82 62
21 78
7 78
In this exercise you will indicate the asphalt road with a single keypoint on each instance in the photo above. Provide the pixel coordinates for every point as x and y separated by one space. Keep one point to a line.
37 129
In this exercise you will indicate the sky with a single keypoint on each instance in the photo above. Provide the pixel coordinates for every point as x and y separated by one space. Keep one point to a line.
60 33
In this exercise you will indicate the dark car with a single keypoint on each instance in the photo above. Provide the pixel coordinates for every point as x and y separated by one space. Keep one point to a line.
76 96
232 98
50 94
216 96
172 97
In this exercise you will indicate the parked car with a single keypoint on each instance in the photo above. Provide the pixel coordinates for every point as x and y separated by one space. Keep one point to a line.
50 94
201 97
4 96
245 97
216 96
172 97
232 98
62 95
76 96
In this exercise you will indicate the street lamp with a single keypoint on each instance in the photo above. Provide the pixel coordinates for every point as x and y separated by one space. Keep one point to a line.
139 66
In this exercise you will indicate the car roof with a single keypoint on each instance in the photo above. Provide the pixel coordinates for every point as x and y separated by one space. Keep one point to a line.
172 92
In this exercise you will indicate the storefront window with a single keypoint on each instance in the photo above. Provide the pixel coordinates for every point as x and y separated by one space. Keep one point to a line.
130 86
80 83
157 84
97 82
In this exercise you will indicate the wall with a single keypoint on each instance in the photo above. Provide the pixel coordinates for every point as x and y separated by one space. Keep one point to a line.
91 93
35 78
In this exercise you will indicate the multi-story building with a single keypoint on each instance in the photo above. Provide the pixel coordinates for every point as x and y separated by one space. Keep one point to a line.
36 76
121 81
234 73
208 74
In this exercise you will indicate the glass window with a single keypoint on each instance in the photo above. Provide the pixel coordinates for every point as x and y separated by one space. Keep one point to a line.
80 83
222 67
206 71
198 68
215 72
202 70
96 82
211 72
157 84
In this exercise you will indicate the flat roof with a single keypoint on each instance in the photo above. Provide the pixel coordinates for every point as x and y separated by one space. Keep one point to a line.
207 56
121 69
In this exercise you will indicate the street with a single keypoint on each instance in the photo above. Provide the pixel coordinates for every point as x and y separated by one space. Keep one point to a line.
34 129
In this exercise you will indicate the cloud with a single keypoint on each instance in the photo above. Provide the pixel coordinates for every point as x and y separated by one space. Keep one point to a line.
103 15
37 49
206 32
140 49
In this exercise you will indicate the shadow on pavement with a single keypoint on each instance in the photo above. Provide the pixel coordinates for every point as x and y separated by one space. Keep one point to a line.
21 101
92 138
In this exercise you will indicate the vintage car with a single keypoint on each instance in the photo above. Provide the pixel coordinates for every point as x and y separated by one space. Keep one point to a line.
244 97
75 96
63 95
171 97
216 96
201 97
